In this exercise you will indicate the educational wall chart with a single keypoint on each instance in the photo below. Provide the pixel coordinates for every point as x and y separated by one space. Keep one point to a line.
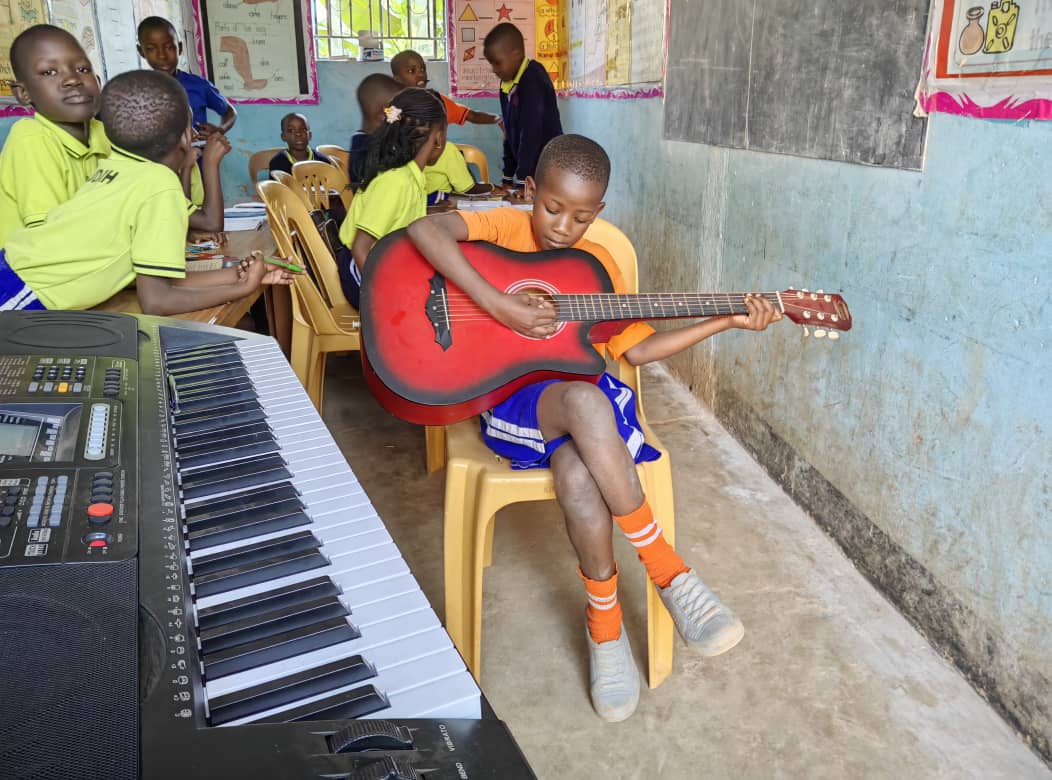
591 48
472 20
78 18
991 61
15 16
259 51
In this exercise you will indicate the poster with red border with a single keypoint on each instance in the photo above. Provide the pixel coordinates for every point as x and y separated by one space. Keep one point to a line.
990 61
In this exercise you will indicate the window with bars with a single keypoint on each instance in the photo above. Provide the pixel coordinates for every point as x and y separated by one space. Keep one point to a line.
419 25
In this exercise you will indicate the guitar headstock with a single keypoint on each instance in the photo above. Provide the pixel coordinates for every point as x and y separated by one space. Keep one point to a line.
826 312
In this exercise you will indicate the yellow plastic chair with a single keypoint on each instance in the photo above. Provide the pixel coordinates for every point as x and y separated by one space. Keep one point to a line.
327 335
287 180
319 178
337 154
289 217
472 154
259 161
478 484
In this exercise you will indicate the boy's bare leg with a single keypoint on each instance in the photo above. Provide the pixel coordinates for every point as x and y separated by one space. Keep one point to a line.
588 521
581 410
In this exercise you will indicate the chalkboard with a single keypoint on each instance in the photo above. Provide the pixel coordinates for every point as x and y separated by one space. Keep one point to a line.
832 79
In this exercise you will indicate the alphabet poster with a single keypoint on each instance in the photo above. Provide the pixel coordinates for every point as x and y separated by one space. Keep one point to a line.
989 60
258 51
591 48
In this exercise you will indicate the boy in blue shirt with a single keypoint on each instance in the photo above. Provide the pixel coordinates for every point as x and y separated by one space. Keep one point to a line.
160 46
527 102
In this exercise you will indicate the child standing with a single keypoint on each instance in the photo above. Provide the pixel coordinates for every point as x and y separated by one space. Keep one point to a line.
128 221
392 193
581 430
46 158
527 102
160 46
410 70
295 132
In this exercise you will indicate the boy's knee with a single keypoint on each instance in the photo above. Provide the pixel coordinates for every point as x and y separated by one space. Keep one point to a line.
585 401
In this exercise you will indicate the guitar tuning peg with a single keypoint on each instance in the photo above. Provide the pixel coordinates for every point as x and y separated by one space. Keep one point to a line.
820 292
834 335
806 332
804 289
791 287
819 333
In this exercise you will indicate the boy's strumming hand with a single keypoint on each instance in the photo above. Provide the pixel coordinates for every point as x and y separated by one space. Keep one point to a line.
524 313
761 314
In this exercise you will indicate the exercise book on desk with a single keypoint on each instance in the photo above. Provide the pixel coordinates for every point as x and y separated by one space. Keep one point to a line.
484 205
244 216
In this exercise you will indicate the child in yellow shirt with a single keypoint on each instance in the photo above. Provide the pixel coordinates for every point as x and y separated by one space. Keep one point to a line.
45 159
392 193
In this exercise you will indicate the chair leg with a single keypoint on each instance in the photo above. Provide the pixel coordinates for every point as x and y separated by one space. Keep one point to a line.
323 359
487 548
435 441
463 596
661 632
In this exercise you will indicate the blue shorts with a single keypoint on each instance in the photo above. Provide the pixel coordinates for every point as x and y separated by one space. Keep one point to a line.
512 431
436 197
14 293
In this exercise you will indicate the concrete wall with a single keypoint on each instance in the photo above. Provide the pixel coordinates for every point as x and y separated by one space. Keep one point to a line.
922 439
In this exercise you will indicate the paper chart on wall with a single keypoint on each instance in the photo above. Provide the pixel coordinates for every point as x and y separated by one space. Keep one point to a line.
77 17
595 14
619 49
989 61
552 40
258 53
472 21
15 16
648 41
117 37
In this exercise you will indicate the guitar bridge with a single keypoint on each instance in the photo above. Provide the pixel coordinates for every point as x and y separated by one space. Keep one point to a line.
437 310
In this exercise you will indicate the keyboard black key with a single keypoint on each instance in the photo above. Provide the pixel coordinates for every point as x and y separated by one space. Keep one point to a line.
214 420
190 438
201 445
258 472
193 379
246 526
280 565
252 553
213 399
241 632
297 593
218 455
354 703
278 647
243 501
286 690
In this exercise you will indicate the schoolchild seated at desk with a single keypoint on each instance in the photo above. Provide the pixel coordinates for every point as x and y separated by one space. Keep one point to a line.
129 220
47 157
392 193
295 132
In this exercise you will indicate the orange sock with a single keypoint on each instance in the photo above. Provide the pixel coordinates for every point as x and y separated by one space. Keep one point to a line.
604 610
643 531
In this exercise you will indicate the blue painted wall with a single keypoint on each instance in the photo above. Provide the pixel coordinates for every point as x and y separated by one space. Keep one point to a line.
934 415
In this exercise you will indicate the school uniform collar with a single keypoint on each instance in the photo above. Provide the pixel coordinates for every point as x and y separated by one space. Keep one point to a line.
507 86
418 174
293 160
124 154
119 152
98 144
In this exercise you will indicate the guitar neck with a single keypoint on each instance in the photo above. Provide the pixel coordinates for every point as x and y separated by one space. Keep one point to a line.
654 306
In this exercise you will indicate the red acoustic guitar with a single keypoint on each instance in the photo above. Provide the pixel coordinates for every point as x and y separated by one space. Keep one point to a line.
433 357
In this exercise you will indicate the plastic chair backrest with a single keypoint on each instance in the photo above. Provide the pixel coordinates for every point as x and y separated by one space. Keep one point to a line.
286 180
315 310
318 178
294 214
259 161
472 154
271 192
337 154
610 237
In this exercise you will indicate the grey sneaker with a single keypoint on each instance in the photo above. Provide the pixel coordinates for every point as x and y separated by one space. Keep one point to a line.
615 681
700 617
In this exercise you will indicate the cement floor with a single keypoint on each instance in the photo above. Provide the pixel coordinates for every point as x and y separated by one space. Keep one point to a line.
829 682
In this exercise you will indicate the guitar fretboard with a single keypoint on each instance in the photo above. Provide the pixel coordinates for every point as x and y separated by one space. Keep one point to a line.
653 306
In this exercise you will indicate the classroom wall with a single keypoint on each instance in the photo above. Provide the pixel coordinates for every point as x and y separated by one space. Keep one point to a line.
332 120
921 439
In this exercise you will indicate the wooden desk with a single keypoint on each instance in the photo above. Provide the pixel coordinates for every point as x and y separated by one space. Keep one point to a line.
239 244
